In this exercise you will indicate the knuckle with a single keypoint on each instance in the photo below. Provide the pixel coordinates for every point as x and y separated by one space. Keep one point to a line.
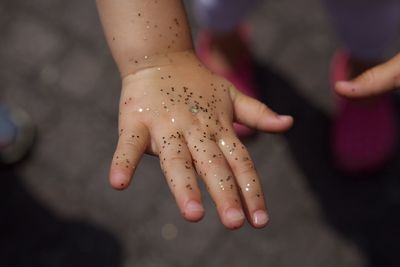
173 161
261 112
262 109
123 163
397 81
216 163
177 159
130 139
255 197
369 76
243 168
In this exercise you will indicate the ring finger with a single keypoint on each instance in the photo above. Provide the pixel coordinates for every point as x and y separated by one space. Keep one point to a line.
212 166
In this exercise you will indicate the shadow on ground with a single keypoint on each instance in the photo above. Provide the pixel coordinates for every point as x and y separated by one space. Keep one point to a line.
31 236
364 210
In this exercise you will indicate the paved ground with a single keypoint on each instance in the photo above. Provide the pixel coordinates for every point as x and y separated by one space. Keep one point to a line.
58 210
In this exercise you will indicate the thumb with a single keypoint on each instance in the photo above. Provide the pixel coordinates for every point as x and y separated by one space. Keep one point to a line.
377 80
257 115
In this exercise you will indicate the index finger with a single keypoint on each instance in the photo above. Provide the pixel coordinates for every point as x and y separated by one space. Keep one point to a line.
378 80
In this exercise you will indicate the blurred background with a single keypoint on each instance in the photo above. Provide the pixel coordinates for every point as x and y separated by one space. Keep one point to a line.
57 208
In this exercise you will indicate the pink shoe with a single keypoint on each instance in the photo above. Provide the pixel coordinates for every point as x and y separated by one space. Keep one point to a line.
364 132
242 75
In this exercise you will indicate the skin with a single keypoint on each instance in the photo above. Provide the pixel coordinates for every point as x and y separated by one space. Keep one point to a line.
375 81
173 107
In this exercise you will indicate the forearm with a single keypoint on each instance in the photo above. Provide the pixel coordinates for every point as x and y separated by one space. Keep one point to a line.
142 33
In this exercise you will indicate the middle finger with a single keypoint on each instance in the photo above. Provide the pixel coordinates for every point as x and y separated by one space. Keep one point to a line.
217 175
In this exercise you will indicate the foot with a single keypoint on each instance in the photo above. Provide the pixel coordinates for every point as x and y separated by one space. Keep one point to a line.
364 131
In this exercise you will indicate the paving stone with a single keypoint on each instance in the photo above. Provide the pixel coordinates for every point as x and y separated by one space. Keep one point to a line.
29 43
80 82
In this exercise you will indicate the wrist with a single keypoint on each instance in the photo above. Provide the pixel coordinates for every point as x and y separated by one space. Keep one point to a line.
157 62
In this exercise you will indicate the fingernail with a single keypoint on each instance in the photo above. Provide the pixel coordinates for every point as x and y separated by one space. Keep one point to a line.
284 117
118 180
346 84
194 206
233 214
118 175
260 217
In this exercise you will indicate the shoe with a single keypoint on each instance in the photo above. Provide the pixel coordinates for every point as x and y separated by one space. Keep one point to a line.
364 132
16 135
242 75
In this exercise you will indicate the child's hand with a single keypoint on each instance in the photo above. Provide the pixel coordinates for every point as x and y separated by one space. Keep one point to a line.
375 81
183 113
